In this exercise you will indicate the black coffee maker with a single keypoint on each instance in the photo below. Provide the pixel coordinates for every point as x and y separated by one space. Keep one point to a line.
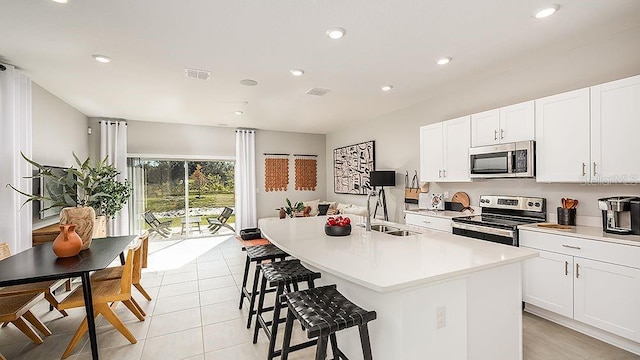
620 214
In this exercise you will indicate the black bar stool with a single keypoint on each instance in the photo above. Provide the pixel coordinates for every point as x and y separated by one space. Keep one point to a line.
323 311
281 274
257 254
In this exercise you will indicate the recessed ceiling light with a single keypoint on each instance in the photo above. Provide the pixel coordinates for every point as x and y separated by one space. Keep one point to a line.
296 72
387 87
248 82
444 60
336 33
101 58
60 1
547 11
238 112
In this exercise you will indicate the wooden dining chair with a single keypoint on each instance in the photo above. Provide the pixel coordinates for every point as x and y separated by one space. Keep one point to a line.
139 261
106 295
45 287
16 309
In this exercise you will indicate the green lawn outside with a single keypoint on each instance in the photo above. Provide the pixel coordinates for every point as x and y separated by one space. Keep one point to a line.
176 202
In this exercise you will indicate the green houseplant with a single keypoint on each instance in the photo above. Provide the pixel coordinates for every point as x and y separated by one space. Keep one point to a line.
291 210
81 191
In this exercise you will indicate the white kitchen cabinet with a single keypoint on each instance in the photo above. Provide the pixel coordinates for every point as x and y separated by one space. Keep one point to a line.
562 137
587 135
508 124
585 280
444 151
428 222
615 125
548 282
485 128
606 296
431 152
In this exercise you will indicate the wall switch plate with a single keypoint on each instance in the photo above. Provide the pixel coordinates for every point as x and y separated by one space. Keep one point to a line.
441 317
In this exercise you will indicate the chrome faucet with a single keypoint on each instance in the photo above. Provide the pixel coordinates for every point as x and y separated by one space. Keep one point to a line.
371 194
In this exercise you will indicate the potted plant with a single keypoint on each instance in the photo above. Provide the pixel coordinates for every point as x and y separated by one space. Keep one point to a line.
292 210
81 191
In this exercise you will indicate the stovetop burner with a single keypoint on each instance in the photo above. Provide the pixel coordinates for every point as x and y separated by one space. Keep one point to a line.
498 221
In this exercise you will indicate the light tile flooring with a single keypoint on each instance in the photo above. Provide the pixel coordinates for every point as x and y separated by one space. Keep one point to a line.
194 315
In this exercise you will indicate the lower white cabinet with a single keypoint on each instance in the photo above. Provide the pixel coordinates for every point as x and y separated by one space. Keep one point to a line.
428 222
594 292
548 282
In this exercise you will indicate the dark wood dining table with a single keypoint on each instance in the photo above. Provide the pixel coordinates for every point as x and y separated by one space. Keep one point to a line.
39 263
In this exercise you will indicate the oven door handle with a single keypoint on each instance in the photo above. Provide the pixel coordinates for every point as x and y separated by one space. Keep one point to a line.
510 156
483 229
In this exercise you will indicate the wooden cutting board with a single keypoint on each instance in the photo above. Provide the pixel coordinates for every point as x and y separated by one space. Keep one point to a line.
462 198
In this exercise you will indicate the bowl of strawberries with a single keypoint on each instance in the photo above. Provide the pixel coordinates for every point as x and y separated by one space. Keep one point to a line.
337 226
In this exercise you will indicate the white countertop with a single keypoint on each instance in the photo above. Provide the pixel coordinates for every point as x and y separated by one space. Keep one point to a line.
383 262
586 232
446 214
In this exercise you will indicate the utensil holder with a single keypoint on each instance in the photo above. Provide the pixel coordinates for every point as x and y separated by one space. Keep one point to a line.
566 216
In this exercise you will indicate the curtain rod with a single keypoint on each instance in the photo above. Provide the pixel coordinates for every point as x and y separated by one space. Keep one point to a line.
305 155
112 122
273 154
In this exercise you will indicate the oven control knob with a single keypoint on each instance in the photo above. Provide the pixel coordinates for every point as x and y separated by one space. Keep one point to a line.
530 203
537 204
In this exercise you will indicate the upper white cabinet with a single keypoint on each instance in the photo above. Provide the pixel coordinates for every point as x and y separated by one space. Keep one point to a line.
444 151
615 125
562 137
507 124
587 135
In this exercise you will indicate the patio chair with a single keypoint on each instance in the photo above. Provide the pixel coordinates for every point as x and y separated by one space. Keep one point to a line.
161 228
216 224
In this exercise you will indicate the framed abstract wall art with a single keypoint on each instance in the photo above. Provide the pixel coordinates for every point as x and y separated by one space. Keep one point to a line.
351 167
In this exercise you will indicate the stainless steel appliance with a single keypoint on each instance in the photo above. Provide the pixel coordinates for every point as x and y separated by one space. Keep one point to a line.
500 218
503 161
620 214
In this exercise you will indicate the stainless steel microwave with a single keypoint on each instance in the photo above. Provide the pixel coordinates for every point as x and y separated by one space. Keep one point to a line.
503 161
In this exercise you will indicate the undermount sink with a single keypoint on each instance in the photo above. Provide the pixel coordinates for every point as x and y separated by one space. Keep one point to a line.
383 228
401 233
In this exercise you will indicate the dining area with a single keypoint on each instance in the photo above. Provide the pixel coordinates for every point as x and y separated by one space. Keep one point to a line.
39 290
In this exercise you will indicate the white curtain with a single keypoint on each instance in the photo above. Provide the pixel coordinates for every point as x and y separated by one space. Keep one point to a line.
245 180
15 137
113 143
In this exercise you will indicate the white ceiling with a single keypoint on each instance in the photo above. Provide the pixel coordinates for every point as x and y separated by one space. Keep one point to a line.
387 42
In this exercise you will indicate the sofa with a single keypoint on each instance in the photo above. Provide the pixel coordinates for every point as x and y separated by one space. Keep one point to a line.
335 208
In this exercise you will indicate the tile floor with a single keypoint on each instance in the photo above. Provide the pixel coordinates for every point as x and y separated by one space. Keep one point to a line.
194 315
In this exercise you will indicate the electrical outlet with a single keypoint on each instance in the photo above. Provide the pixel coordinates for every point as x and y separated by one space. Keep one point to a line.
441 317
446 195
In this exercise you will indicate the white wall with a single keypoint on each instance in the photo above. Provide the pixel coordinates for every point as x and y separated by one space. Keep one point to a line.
288 143
58 130
533 76
197 141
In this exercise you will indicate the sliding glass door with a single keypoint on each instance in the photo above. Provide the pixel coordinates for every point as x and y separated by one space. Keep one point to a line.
175 198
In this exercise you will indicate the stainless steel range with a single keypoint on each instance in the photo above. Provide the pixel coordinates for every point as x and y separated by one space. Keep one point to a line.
500 218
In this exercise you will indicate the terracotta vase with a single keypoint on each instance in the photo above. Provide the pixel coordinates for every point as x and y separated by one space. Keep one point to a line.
83 218
67 243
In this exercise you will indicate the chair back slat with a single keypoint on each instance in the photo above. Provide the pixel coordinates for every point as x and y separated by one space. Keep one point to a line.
5 251
127 271
145 248
226 214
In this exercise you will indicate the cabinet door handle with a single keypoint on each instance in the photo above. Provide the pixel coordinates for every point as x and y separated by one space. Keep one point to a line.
577 270
501 134
571 246
566 268
594 169
495 134
439 173
444 173
584 169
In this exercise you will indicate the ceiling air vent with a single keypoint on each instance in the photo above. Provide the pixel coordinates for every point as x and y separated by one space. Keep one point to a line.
197 74
317 91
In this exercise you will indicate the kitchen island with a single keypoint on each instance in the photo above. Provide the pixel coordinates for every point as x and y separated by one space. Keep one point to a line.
437 295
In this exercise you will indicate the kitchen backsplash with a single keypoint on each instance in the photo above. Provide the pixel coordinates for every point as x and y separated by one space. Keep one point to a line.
588 195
